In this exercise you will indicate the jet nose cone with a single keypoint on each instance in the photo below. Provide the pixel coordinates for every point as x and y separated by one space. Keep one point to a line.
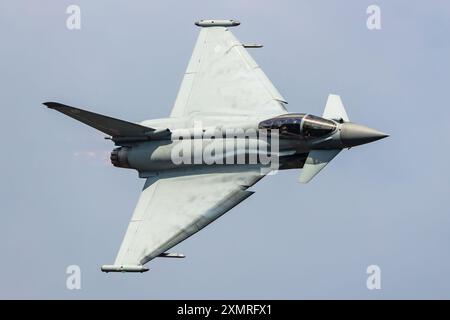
353 134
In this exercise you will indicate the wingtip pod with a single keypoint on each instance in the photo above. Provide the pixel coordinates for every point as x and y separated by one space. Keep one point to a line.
217 23
124 268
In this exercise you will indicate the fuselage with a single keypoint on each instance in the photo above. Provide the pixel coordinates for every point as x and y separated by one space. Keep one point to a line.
280 142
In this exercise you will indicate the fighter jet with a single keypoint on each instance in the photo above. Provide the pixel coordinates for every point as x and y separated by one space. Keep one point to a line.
229 127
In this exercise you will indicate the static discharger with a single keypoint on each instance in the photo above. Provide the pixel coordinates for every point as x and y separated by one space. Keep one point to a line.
171 255
252 45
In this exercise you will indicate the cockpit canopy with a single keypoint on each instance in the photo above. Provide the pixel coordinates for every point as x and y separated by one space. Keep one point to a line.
299 124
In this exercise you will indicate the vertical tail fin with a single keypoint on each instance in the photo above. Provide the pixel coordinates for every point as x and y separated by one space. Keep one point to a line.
334 109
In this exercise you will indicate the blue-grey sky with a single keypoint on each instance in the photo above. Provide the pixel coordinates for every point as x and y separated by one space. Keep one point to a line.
386 203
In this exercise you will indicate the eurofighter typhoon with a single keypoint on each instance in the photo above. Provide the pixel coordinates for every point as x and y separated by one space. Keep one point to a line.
229 127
